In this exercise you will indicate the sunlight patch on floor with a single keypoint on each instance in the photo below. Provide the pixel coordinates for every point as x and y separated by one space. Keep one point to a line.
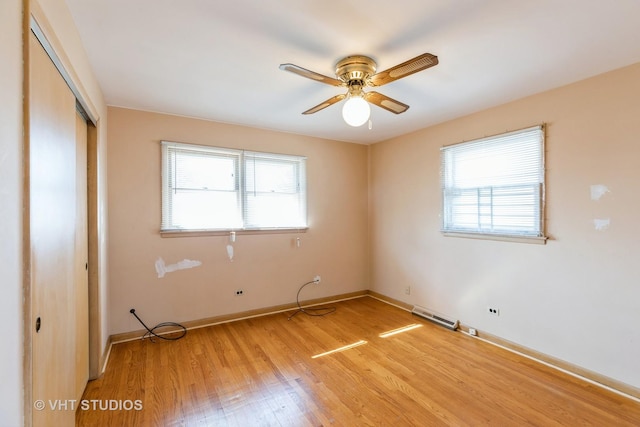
337 350
400 330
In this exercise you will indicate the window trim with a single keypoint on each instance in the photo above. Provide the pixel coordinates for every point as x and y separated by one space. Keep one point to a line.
537 240
238 232
499 236
240 153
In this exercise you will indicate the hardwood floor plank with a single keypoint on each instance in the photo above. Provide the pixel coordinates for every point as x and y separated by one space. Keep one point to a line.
262 372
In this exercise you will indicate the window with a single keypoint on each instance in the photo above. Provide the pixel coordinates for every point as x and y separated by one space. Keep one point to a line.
495 186
210 188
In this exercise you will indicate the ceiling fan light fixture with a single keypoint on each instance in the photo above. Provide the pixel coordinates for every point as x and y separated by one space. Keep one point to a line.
356 111
356 72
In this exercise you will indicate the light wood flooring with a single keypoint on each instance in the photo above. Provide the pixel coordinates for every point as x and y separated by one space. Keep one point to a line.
262 372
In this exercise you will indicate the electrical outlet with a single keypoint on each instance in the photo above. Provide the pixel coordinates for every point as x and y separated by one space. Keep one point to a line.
493 311
407 290
239 292
473 332
317 279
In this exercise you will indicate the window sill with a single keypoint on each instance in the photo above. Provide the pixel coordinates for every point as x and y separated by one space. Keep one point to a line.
498 237
198 233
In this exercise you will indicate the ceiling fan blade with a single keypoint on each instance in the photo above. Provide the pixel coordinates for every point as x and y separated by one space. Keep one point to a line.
385 102
325 104
405 69
311 75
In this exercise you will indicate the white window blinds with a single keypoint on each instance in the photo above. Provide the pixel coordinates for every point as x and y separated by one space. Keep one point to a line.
495 185
210 188
275 191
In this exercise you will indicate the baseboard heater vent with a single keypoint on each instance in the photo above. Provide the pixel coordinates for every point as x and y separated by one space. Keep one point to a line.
440 319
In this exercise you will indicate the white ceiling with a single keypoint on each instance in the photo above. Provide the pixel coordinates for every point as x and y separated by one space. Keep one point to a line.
218 60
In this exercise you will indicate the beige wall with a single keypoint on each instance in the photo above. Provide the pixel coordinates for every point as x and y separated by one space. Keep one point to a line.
575 298
268 267
11 212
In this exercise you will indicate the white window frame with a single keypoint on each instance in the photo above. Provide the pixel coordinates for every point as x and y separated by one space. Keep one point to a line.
499 203
240 195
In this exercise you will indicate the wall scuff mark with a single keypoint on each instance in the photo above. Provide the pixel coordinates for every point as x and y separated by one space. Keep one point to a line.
598 190
232 240
162 268
601 224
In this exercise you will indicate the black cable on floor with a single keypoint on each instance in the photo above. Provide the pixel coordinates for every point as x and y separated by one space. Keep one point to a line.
309 311
150 332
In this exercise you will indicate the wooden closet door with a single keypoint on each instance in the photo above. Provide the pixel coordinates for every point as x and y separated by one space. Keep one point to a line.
53 211
81 260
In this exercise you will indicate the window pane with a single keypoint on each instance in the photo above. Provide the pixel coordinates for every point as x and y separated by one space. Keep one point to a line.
268 175
497 163
205 209
268 210
200 188
275 191
205 171
494 185
203 188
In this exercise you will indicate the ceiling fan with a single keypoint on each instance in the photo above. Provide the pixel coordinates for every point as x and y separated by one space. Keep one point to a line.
357 72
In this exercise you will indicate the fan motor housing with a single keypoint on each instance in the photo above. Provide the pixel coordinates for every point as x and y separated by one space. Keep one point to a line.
356 67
